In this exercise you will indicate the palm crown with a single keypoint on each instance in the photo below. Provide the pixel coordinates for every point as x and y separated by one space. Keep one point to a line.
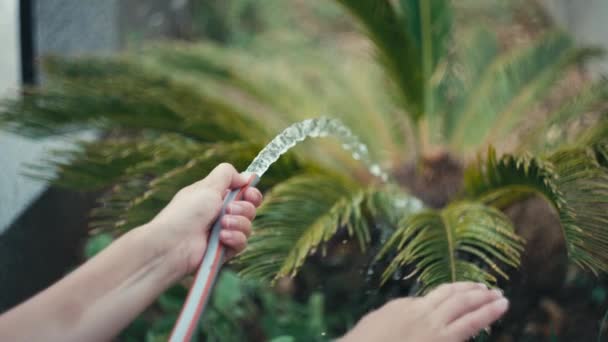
173 112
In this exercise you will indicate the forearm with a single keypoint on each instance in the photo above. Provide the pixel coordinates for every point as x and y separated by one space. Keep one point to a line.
96 301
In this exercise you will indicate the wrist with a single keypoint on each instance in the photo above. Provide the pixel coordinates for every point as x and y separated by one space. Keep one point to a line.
171 260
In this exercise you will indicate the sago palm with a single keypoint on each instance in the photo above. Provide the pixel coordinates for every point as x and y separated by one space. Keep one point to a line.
172 112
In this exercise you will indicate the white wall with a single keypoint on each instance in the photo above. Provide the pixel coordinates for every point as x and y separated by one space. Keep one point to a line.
16 190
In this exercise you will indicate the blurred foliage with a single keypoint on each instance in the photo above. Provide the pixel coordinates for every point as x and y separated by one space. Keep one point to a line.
238 310
168 113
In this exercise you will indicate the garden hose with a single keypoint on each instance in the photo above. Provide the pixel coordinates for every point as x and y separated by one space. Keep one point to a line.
205 278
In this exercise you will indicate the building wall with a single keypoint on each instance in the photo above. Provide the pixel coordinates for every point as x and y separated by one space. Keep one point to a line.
16 191
62 27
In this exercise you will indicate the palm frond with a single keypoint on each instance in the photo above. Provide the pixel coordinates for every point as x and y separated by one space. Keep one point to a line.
571 180
141 174
89 93
550 133
475 53
454 244
145 188
430 24
396 48
93 165
584 183
279 89
510 85
297 216
501 181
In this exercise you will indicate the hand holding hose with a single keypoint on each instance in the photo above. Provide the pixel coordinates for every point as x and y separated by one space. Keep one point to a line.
100 298
186 221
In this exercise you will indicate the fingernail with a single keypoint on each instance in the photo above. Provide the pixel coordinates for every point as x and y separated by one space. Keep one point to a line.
234 208
226 234
482 285
497 292
502 304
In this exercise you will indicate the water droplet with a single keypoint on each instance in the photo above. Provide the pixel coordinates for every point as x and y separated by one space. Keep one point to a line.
375 170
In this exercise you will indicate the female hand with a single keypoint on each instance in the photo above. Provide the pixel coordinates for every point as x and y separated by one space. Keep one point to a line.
450 313
184 224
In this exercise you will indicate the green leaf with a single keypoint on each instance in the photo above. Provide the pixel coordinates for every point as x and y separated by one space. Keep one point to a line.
475 53
116 93
147 187
172 299
550 133
452 245
297 216
501 181
510 85
429 23
396 47
571 180
227 291
96 244
584 183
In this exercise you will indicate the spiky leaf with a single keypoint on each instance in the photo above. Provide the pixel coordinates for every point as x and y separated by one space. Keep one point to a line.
89 93
571 180
297 216
454 244
584 183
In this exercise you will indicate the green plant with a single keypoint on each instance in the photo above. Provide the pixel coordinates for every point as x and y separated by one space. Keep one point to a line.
175 111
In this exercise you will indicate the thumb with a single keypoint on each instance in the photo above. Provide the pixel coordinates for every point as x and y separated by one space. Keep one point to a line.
223 177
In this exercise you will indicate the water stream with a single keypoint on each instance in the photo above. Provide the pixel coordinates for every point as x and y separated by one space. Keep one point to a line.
318 127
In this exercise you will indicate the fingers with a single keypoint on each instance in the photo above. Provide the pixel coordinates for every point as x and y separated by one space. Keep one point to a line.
241 208
223 177
445 291
237 223
471 323
464 302
254 196
234 240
